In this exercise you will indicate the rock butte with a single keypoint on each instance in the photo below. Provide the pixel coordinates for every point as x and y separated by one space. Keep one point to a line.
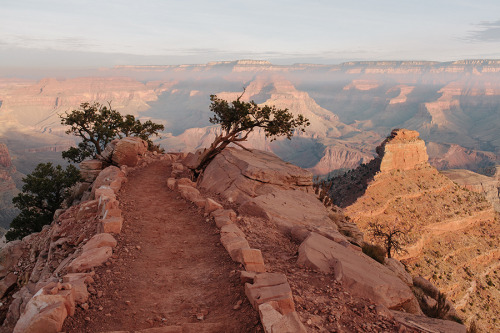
448 226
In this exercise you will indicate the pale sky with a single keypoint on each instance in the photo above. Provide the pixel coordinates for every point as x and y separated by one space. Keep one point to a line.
54 33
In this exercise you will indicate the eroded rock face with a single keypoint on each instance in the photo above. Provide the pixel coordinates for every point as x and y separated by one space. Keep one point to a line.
402 150
244 172
435 211
9 256
361 275
265 186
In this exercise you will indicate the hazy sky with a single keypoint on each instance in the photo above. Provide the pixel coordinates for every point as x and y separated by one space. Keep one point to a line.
51 33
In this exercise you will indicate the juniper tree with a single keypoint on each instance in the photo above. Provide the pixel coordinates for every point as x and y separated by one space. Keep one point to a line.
97 125
393 237
42 194
238 119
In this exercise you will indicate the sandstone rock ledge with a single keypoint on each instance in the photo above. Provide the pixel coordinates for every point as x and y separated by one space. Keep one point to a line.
264 186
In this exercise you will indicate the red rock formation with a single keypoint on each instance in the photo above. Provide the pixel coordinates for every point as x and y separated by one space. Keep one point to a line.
447 227
402 150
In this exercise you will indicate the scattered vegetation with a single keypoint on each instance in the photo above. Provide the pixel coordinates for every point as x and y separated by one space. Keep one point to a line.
97 125
392 237
42 194
238 119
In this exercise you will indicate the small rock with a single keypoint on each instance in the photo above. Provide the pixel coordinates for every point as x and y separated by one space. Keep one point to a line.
138 247
238 305
127 302
85 306
99 293
87 318
101 308
200 316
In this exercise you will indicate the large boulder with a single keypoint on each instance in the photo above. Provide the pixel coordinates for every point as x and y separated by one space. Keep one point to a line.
47 310
265 186
89 259
108 177
128 151
359 274
239 174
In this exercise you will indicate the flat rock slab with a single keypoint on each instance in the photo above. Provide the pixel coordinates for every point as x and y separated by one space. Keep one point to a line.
288 208
361 275
100 240
272 288
89 259
238 174
428 324
275 322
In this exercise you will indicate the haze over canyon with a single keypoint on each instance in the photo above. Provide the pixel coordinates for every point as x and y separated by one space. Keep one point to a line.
454 106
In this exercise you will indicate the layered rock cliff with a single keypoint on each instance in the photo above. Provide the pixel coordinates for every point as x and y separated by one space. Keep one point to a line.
451 231
402 150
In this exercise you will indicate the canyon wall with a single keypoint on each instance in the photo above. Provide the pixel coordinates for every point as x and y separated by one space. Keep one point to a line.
450 232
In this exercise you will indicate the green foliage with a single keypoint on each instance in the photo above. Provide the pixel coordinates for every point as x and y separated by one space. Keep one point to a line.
42 194
97 125
238 119
242 117
376 252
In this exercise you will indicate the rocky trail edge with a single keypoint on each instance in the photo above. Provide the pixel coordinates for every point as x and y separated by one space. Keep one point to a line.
168 270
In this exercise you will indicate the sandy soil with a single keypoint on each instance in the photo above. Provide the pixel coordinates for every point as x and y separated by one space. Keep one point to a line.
169 267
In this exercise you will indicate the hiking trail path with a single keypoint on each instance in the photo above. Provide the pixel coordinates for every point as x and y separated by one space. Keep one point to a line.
168 270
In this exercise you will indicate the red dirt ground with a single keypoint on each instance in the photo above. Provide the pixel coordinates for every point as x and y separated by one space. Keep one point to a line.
169 267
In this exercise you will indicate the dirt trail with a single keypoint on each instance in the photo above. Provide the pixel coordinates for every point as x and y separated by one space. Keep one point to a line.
168 269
